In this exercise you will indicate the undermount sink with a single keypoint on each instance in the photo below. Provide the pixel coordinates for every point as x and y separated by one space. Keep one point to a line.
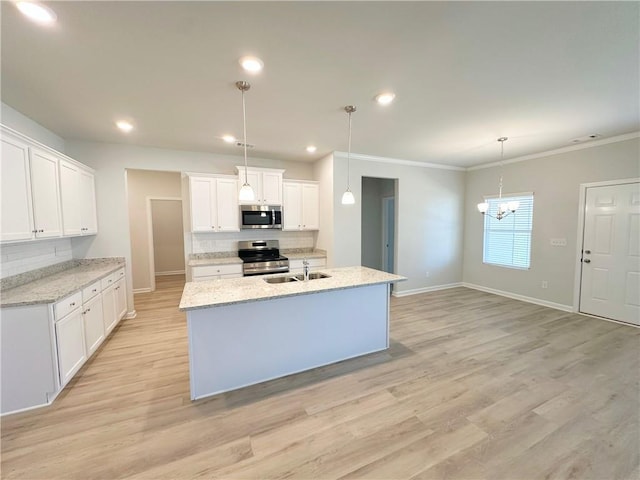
296 278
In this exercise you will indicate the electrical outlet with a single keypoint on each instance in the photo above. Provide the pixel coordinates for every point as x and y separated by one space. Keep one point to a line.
545 284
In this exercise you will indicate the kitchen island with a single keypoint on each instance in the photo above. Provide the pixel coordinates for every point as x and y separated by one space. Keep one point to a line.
244 331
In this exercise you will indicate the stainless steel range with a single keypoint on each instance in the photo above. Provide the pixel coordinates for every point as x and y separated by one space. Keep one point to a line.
260 257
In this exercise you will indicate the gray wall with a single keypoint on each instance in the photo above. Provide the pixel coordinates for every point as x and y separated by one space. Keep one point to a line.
555 181
430 218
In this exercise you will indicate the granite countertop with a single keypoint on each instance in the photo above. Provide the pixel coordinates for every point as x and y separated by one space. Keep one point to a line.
51 288
218 293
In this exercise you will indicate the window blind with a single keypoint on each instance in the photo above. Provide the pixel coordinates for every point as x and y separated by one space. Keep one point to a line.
507 242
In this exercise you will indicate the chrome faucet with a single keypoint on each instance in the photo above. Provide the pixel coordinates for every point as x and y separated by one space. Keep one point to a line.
305 269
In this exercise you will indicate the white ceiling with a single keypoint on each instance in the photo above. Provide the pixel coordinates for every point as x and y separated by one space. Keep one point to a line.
465 73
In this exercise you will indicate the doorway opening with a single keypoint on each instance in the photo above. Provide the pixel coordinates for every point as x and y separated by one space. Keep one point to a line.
166 240
379 223
155 226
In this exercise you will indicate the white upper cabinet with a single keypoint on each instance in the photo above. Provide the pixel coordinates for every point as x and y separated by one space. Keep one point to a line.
88 216
78 200
16 220
301 207
44 194
266 184
70 198
214 204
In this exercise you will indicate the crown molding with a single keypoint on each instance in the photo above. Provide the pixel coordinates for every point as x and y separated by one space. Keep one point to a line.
397 161
571 148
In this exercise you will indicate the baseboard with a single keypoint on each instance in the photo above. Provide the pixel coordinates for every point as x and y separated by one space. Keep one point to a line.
176 272
130 315
435 288
141 290
523 298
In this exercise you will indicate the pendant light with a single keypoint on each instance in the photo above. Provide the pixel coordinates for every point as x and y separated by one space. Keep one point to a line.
504 209
246 193
347 196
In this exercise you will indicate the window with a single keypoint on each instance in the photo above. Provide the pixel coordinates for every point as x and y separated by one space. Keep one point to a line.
507 242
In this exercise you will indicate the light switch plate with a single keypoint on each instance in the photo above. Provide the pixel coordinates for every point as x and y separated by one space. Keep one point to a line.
558 242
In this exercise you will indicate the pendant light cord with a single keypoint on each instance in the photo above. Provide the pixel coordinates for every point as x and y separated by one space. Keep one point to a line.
244 133
349 153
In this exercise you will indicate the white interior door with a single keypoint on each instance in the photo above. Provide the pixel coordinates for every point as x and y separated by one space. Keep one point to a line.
610 285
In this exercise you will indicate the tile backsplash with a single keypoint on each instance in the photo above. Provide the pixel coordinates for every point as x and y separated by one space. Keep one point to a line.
228 241
19 258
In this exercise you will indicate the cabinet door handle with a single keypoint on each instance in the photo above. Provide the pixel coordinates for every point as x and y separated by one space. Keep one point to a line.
34 231
72 304
94 290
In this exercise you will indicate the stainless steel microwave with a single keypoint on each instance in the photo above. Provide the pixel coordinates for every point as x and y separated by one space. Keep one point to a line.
260 216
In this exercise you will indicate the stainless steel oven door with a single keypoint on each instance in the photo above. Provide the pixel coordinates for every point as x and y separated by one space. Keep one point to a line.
263 268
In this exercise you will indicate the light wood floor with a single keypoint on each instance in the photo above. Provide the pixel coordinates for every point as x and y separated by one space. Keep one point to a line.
474 386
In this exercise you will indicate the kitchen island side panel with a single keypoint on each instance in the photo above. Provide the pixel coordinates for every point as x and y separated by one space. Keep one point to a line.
247 343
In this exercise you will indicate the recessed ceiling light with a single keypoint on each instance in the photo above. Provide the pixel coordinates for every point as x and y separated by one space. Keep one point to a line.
251 64
385 98
311 149
229 138
37 12
124 126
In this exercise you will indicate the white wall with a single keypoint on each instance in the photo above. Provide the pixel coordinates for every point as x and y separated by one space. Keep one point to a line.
110 162
430 212
16 120
555 181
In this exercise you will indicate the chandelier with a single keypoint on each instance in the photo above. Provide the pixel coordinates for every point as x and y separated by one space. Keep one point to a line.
504 208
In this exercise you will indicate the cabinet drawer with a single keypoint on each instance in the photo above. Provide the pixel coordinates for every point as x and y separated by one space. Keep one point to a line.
67 305
209 270
91 291
117 275
107 281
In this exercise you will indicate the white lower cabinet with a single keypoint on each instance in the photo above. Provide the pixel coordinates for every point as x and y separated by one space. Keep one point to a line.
44 345
296 265
114 300
109 308
93 324
216 272
121 299
70 342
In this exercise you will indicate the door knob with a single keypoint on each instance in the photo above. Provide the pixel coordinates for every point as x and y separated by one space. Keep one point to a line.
586 260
